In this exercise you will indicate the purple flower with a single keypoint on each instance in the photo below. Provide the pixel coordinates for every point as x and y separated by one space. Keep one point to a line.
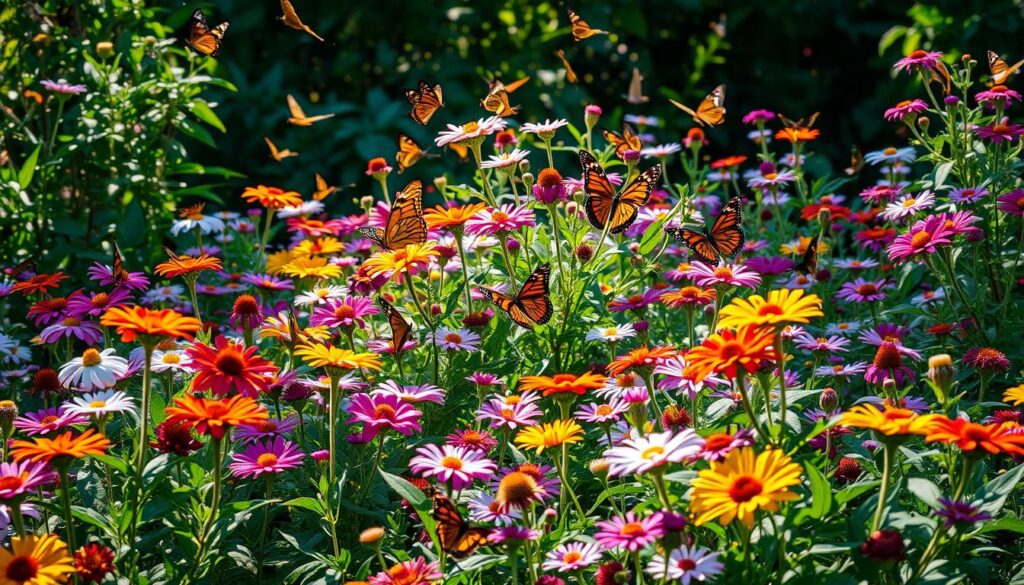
758 117
863 291
271 457
104 275
769 265
998 93
904 109
955 512
919 60
1012 202
62 87
88 332
1000 132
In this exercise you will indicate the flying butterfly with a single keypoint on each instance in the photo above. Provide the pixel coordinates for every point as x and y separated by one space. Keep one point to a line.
570 75
724 239
291 19
806 123
405 224
409 153
628 140
118 271
1000 70
605 206
21 268
204 39
299 118
401 330
856 162
279 155
719 27
636 95
460 149
456 537
322 189
808 266
710 111
580 29
426 100
496 100
533 302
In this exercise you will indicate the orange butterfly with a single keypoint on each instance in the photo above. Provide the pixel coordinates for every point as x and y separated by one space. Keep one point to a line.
496 100
636 94
856 162
809 265
204 39
409 153
456 537
405 222
401 330
196 209
999 69
460 149
322 189
805 123
570 75
710 111
425 100
118 271
628 140
279 155
725 239
580 29
604 204
292 20
299 118
533 302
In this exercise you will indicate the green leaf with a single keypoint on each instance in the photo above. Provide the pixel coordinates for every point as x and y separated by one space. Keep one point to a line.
925 490
306 503
205 113
29 168
821 491
993 494
652 236
417 499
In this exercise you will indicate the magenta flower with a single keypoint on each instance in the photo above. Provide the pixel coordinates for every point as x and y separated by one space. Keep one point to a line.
572 557
769 265
629 532
1012 202
832 344
48 420
724 274
24 477
267 282
904 109
924 237
888 363
62 87
878 194
998 93
507 218
516 534
456 339
381 412
509 413
452 465
484 379
412 394
271 457
472 440
862 291
919 60
416 571
963 513
268 429
88 332
601 413
1003 131
758 117
94 304
344 313
104 275
635 302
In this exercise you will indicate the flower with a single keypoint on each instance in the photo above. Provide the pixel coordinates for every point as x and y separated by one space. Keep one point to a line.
377 166
457 466
612 334
22 478
94 370
781 307
572 557
456 339
319 355
968 194
629 532
415 572
723 274
505 160
410 259
884 546
689 297
271 456
1012 202
62 446
175 438
505 218
452 217
863 291
46 421
919 60
62 87
908 205
986 359
726 351
86 331
343 313
962 513
35 560
472 439
39 284
1002 131
889 421
215 417
544 129
635 302
687 565
100 404
758 116
904 109
187 265
133 321
228 366
639 455
470 131
550 187
661 150
93 562
641 359
743 483
794 135
924 237
271 197
547 435
380 412
996 438
511 412
561 383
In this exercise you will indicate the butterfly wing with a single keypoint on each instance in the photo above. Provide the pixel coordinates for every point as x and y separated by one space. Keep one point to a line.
636 94
570 75
401 330
711 110
322 189
204 39
273 149
808 266
454 535
580 29
295 109
534 299
374 234
599 191
497 102
687 109
409 153
726 233
633 198
698 243
628 140
170 253
405 222
512 87
118 271
425 100
460 149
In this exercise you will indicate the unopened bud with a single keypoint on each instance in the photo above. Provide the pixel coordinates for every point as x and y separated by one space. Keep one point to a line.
599 466
105 49
366 201
941 373
524 166
371 536
828 400
584 252
441 182
824 216
923 122
8 412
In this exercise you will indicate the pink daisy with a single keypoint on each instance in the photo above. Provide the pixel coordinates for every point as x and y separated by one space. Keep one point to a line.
904 109
47 420
343 313
635 302
452 465
919 60
88 332
94 304
23 478
601 413
1002 131
723 274
863 291
412 394
1012 202
266 457
507 218
510 412
382 412
629 532
268 429
415 572
997 93
456 339
924 237
571 557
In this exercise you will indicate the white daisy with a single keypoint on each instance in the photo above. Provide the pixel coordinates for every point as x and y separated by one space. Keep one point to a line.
505 159
470 130
320 295
172 360
206 224
93 371
100 404
662 150
612 333
908 205
311 207
548 127
892 154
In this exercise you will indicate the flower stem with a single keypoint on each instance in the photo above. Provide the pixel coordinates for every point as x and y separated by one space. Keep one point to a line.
204 534
780 360
883 491
140 449
65 500
332 414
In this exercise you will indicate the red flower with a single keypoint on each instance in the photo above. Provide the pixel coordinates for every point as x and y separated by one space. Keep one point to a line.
175 438
884 546
39 283
93 562
228 366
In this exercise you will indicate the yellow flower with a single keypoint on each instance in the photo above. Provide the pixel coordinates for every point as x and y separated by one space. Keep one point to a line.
271 197
410 259
277 261
889 421
313 266
547 435
742 484
279 328
781 307
35 560
799 246
318 247
1015 395
319 355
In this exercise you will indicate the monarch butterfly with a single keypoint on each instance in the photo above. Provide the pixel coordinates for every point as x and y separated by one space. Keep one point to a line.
1000 70
401 330
118 271
291 19
460 149
856 162
299 118
807 122
409 153
405 222
170 254
570 75
279 155
496 100
196 209
724 240
710 111
533 302
322 189
636 94
603 204
808 266
580 29
628 140
204 39
455 536
425 100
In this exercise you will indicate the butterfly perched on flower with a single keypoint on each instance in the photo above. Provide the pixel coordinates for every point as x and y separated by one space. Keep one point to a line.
605 206
999 69
456 537
291 19
186 212
808 266
299 118
710 111
409 153
426 99
532 304
580 29
635 93
724 239
405 224
279 155
570 75
496 100
804 123
401 330
322 189
204 39
120 275
628 140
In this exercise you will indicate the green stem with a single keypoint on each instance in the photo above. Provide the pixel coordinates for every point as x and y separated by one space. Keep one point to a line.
65 500
204 535
883 491
332 415
140 449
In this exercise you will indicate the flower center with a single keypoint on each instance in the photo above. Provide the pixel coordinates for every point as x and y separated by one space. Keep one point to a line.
918 54
771 176
267 460
631 529
603 410
517 489
345 312
686 565
769 309
383 411
730 349
11 482
470 127
745 488
909 202
508 413
230 362
903 104
499 216
98 404
453 338
70 322
717 442
999 129
49 420
100 300
450 462
572 557
611 332
723 273
652 452
171 358
888 357
867 289
920 239
22 568
91 358
195 217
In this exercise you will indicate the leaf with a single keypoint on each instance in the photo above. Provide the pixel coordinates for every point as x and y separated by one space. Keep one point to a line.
29 168
417 499
993 494
305 503
925 490
941 174
205 113
821 491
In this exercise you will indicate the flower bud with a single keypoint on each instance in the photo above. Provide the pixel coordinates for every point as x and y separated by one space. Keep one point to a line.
572 209
524 166
441 183
824 216
584 252
371 536
924 122
105 49
366 201
630 157
942 374
8 412
884 546
591 114
828 400
599 466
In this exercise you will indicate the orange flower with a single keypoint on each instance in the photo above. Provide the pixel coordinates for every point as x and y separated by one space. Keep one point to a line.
67 445
888 421
562 383
183 265
688 297
724 352
1005 437
38 283
641 357
449 217
140 321
214 417
272 197
797 134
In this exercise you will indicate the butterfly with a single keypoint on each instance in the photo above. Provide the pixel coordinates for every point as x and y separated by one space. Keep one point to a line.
460 149
401 330
409 153
939 74
425 100
279 155
580 29
457 538
496 100
405 222
807 122
196 209
118 271
204 39
710 111
170 254
724 240
299 118
636 94
570 75
322 189
809 265
1000 70
603 204
628 140
291 19
533 302
22 267
856 162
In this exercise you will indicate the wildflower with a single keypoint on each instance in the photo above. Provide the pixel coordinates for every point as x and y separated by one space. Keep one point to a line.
100 404
93 562
687 565
413 394
36 560
452 217
968 194
546 128
408 260
612 334
414 572
629 532
919 60
311 267
892 154
572 557
214 417
726 351
661 150
130 322
228 366
1001 131
456 466
86 331
635 302
561 383
39 284
60 447
345 312
549 435
997 93
271 197
320 355
884 546
863 291
94 304
187 265
510 413
472 440
382 412
641 358
782 306
601 413
723 274
456 339
1012 202
971 437
94 370
377 166
506 218
175 438
62 87
888 420
23 478
743 483
770 177
986 359
960 513
905 109
471 131
550 187
642 454
505 160
689 297
795 135
268 457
